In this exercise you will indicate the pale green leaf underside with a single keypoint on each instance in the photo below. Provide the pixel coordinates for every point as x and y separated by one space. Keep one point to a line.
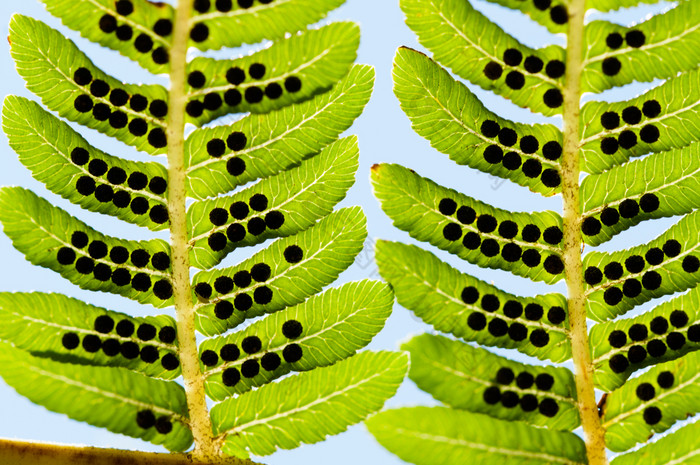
466 41
603 351
84 16
458 375
543 16
670 178
45 145
278 140
413 203
335 324
610 5
303 195
48 61
671 45
443 436
38 322
328 248
260 22
676 124
626 416
109 397
447 114
307 407
317 58
681 447
39 230
433 290
675 273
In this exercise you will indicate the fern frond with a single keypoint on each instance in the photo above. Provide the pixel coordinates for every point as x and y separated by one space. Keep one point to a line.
680 447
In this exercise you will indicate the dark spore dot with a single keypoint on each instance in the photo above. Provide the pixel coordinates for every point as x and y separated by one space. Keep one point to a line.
471 241
232 97
611 66
507 137
531 233
466 215
223 309
253 94
672 248
691 264
273 91
119 255
508 229
533 311
447 206
224 6
486 223
659 325
505 376
125 328
125 7
160 56
512 309
111 347
665 379
79 239
145 419
511 161
242 302
164 425
555 69
614 40
544 381
656 348
199 33
235 166
493 70
83 103
230 353
194 108
679 318
651 280
592 275
515 80
470 295
649 203
108 24
694 333
517 332
609 216
256 226
524 380
235 232
452 232
202 6
84 265
511 252
635 38
552 150
528 403
218 216
203 290
143 43
591 226
498 327
649 134
82 76
553 98
652 415
167 334
65 256
70 341
104 193
196 79
260 272
230 377
129 350
512 57
559 14
631 288
256 70
493 154
262 295
610 120
251 345
141 282
170 362
223 284
638 332
617 339
631 115
476 321
157 138
270 361
163 289
212 101
492 395
149 354
97 249
532 168
636 354
158 108
140 258
79 156
651 108
675 340
490 303
217 241
634 264
612 296
292 353
137 181
510 399
91 343
490 248
490 128
542 4
101 112
533 64
627 139
645 391
618 363
609 145
292 329
125 33
97 167
239 210
292 84
138 102
116 176
529 144
258 202
102 272
549 408
629 208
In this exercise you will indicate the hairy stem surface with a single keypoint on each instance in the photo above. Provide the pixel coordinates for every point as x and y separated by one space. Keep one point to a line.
578 330
200 422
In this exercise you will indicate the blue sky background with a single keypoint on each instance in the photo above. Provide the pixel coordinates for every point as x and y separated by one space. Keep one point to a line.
385 136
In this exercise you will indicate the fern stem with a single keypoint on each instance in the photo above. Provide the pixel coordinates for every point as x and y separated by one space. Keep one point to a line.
578 330
200 422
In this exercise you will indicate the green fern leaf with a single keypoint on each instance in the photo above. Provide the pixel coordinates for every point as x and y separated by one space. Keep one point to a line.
473 379
335 396
119 400
442 436
290 270
296 199
72 168
552 15
328 327
70 331
680 447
